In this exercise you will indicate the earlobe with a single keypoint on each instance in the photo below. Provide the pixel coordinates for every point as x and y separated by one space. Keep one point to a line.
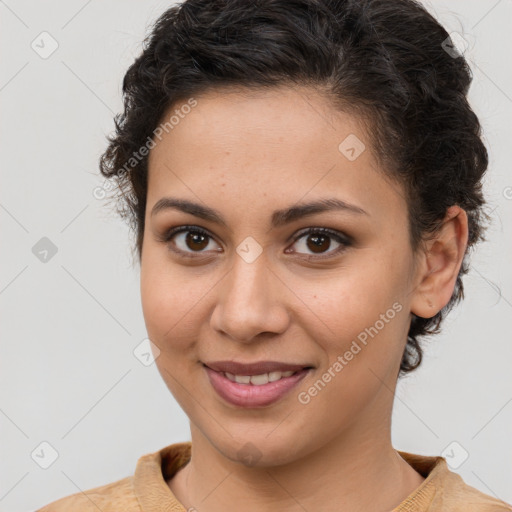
440 264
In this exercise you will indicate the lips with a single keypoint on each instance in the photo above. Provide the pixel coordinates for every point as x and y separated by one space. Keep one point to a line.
253 395
256 368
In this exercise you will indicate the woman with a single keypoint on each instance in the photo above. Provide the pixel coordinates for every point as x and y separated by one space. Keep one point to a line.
304 181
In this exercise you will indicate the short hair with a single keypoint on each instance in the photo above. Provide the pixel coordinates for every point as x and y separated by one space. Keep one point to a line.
388 60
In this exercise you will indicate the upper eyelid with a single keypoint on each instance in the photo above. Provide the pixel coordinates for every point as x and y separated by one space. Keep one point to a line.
334 233
328 231
190 227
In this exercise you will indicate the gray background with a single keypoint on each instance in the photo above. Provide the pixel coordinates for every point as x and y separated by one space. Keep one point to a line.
69 326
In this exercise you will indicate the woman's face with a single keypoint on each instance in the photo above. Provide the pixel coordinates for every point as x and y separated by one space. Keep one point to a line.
258 287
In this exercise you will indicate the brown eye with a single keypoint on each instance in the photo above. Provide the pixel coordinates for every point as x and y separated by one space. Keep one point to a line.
196 241
187 240
318 241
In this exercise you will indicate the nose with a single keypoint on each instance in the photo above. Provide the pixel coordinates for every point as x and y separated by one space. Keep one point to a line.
251 301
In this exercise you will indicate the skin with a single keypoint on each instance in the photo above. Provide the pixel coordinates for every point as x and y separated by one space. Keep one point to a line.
246 155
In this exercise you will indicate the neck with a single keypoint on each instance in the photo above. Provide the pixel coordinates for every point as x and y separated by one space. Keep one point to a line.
358 470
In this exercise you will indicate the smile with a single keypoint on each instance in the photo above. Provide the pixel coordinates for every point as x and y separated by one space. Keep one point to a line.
258 390
258 380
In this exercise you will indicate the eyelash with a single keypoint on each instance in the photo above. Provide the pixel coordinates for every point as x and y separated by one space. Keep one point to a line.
342 239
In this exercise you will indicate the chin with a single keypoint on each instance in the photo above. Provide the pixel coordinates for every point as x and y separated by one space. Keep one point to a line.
258 451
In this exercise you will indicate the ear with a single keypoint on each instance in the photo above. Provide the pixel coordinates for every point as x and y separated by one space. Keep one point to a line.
439 264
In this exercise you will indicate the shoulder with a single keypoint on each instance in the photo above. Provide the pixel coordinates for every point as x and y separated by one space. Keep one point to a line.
148 485
117 496
443 490
465 498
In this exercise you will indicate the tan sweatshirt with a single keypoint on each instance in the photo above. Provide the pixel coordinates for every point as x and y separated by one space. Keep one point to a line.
147 490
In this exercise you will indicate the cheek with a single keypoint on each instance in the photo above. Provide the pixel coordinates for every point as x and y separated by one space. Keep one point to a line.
362 346
170 305
365 302
168 298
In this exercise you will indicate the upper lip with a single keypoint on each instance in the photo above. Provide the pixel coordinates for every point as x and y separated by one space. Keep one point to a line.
256 368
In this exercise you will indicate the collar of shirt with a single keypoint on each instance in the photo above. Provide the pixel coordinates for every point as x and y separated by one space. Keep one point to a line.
155 469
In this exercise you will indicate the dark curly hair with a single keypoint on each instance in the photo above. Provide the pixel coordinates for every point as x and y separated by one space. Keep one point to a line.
388 60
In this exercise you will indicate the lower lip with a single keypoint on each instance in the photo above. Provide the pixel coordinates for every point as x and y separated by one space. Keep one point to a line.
249 395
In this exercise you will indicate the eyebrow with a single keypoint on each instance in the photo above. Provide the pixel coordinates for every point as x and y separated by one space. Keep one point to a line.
279 217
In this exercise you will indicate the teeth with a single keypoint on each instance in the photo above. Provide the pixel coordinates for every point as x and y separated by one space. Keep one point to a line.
273 376
258 380
242 379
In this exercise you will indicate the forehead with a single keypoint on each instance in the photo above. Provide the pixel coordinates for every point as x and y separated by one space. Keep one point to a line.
272 143
279 114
